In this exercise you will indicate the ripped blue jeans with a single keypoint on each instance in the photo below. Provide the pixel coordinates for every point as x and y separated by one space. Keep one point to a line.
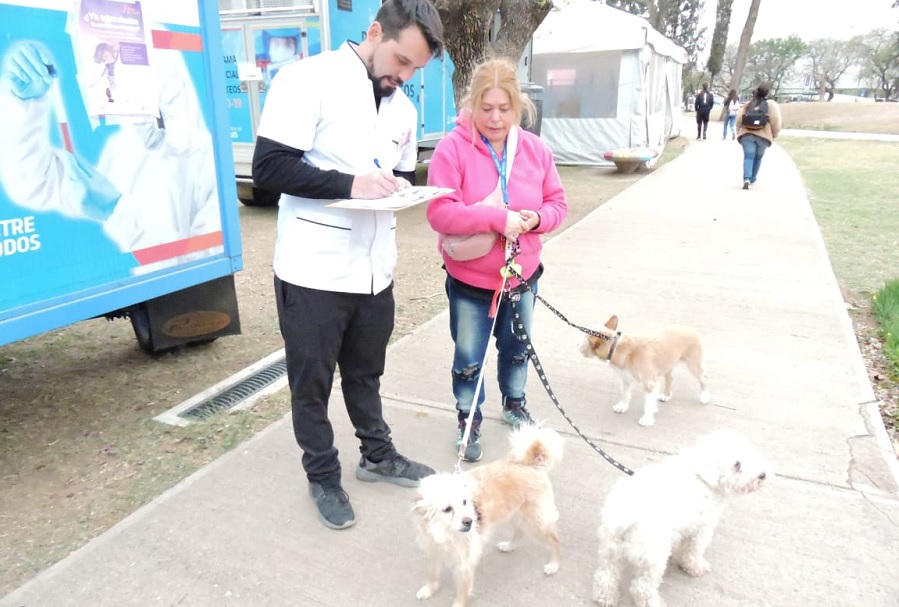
470 325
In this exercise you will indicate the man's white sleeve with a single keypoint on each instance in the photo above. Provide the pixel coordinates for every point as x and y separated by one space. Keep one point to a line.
292 107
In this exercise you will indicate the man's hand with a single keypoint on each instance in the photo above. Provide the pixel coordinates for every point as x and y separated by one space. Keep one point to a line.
378 184
28 67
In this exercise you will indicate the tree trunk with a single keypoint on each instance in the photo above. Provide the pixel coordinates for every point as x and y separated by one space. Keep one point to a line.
518 22
466 33
654 15
719 39
468 25
745 41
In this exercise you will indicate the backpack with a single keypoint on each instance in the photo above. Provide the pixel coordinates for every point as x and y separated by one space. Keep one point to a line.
756 116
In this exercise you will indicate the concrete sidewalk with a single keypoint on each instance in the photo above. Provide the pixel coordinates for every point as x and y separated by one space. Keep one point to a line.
748 269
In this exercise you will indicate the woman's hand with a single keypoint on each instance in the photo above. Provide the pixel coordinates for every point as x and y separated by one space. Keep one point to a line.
531 219
515 226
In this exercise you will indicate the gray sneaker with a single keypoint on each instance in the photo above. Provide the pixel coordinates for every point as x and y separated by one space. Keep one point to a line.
334 509
395 469
473 448
516 415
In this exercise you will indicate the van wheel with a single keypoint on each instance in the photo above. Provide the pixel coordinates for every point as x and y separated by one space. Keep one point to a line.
260 198
140 322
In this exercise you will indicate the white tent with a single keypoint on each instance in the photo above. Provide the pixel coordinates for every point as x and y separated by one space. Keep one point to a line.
610 81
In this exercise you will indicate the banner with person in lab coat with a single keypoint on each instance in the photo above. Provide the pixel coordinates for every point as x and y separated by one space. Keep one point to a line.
107 164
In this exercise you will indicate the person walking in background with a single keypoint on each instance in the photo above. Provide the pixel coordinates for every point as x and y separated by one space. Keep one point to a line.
704 103
730 110
759 123
507 189
338 125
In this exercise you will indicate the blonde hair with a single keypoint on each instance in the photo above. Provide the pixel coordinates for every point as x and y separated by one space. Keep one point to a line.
501 74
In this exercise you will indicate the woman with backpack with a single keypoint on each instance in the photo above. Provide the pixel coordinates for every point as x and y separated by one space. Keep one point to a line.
730 110
758 124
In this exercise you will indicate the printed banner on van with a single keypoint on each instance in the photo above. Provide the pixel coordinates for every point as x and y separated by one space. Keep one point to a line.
107 166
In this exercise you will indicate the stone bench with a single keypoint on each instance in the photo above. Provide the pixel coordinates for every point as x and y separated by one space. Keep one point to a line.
628 160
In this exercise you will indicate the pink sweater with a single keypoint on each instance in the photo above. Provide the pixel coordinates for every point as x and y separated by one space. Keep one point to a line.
467 166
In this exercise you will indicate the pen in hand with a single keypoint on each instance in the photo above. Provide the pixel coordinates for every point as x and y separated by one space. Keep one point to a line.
379 183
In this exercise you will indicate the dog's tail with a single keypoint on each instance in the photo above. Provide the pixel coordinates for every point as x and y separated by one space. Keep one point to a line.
533 445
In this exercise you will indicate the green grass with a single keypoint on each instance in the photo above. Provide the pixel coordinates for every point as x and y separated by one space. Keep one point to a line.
886 308
852 188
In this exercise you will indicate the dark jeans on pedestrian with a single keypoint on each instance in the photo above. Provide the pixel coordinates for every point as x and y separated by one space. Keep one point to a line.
324 330
702 122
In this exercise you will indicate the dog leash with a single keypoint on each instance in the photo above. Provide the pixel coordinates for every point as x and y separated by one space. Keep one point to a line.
602 336
518 327
511 251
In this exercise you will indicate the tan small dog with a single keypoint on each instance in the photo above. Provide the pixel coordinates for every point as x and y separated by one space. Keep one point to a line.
643 360
454 514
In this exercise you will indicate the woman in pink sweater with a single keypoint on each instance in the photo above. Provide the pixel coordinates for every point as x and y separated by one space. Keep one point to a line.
507 189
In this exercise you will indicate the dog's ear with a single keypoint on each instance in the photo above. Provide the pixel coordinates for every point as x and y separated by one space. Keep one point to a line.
612 323
420 506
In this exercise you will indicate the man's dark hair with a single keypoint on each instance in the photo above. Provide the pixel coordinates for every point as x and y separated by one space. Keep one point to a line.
396 15
762 90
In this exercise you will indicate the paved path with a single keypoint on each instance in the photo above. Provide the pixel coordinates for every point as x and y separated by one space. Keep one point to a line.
748 269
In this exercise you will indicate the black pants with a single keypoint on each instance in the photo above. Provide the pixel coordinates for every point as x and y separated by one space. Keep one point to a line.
702 122
323 330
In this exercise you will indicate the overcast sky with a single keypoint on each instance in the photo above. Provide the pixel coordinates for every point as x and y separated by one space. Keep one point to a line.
808 19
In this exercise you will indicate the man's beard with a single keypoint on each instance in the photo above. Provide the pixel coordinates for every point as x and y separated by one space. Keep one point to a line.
384 85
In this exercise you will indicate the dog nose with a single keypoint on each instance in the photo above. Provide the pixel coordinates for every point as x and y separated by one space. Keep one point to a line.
762 476
466 524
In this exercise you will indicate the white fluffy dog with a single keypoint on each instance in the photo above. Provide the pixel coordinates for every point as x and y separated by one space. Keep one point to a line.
670 508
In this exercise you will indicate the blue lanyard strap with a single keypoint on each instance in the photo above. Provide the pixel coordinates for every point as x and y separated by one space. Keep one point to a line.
500 167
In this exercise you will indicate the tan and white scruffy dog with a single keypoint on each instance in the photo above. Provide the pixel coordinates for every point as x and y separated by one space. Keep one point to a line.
670 509
643 360
454 514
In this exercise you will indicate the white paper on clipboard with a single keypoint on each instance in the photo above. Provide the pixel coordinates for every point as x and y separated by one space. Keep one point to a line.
403 199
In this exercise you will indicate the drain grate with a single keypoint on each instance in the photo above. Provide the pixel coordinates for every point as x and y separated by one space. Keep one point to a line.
237 393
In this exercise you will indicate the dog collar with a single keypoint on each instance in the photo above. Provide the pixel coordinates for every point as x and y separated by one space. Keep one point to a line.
614 343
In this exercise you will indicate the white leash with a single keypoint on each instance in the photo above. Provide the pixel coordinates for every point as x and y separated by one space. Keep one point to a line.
511 147
466 434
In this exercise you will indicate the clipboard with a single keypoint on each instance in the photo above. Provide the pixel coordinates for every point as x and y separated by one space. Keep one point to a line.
403 199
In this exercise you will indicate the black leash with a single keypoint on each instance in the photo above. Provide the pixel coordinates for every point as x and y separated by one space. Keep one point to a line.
602 336
521 333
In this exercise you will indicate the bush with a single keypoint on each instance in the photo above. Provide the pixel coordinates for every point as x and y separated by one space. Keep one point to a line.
886 307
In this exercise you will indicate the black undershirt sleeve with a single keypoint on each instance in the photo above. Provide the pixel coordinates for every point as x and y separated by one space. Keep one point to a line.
407 175
280 168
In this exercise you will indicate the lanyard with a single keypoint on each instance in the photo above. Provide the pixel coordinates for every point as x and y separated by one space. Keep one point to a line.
500 167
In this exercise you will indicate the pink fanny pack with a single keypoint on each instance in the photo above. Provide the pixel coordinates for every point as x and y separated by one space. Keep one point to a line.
467 247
